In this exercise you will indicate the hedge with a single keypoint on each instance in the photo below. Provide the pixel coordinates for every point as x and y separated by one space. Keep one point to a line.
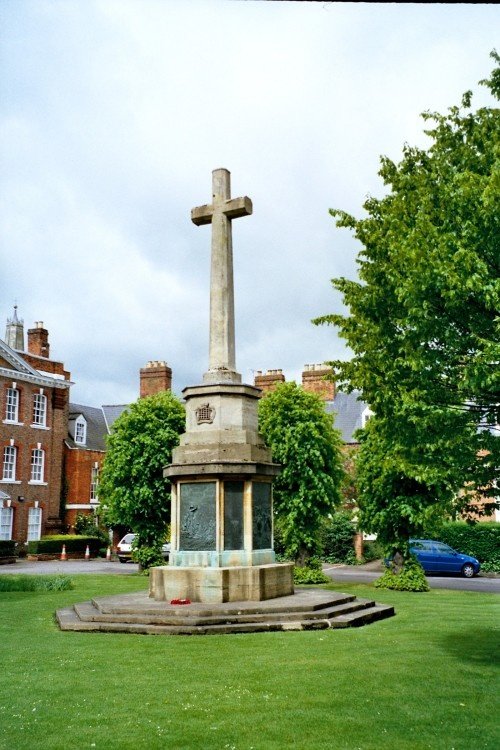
73 542
337 539
7 548
481 540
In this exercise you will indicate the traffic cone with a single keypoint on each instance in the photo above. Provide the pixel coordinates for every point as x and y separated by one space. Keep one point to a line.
63 553
108 554
87 553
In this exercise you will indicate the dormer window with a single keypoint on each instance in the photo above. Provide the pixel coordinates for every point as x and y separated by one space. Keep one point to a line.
81 431
367 413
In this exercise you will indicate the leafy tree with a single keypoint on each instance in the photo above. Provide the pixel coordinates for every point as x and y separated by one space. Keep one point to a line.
301 437
85 525
131 484
424 326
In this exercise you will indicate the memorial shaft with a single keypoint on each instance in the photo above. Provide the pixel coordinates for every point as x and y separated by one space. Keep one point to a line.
220 214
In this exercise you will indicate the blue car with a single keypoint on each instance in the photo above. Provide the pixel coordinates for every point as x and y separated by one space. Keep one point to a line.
436 557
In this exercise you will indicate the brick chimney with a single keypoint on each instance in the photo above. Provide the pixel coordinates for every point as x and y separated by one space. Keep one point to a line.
269 380
155 378
313 380
38 340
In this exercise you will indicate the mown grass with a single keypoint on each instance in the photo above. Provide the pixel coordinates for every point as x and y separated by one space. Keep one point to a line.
423 679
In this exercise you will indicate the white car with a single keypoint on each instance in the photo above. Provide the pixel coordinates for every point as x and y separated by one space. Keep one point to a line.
124 548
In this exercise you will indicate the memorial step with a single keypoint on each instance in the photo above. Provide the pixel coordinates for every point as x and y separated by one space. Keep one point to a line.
135 613
89 611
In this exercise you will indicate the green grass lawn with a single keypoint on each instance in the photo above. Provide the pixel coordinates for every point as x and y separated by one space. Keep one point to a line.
423 679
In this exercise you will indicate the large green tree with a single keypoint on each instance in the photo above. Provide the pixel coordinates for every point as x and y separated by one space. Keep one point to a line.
423 325
302 439
131 484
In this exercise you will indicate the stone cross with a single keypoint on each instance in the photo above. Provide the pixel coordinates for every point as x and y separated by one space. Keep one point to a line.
220 213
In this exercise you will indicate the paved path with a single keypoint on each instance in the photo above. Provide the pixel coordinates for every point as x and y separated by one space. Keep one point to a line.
362 574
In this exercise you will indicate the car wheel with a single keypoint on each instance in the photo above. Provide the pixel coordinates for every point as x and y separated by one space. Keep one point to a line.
468 571
122 559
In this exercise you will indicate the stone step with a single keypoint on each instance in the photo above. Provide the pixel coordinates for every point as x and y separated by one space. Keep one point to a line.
302 601
87 611
364 617
314 610
69 620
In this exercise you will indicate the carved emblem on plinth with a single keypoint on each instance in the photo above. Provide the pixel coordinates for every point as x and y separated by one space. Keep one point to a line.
205 414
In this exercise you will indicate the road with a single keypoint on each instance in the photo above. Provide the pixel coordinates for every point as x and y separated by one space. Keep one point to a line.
338 573
359 574
69 566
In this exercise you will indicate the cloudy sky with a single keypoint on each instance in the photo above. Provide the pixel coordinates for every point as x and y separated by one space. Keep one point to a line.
113 115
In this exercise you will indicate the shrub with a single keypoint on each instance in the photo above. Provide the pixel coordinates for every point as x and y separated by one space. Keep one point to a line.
481 540
73 543
148 557
85 526
492 565
7 548
311 573
35 583
372 550
279 542
411 578
337 539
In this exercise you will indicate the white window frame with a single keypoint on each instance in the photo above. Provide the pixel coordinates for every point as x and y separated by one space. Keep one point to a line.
81 431
6 521
12 405
34 524
94 480
9 463
366 415
39 410
37 466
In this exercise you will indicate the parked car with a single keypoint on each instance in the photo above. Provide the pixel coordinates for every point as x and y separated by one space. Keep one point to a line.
437 557
124 548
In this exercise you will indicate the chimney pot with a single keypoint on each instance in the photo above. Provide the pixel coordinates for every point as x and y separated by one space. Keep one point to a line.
314 381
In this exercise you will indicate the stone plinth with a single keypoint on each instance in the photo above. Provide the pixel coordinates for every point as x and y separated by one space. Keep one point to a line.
221 425
218 585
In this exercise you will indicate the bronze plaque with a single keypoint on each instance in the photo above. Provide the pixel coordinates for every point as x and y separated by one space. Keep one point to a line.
197 516
262 521
233 515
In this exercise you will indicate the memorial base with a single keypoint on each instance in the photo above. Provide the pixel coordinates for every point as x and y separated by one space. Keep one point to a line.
231 584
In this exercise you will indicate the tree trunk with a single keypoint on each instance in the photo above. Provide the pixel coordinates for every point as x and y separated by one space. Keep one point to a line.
397 563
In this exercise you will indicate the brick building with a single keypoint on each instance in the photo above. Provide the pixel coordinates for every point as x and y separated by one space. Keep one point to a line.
34 413
84 451
85 444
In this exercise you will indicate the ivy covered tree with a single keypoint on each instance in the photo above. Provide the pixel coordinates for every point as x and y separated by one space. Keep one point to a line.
302 439
131 484
423 326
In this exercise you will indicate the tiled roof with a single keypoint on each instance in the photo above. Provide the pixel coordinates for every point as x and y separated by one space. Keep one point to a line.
96 427
99 420
112 412
348 409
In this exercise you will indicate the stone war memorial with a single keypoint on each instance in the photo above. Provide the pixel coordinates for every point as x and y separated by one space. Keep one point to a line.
221 474
222 575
